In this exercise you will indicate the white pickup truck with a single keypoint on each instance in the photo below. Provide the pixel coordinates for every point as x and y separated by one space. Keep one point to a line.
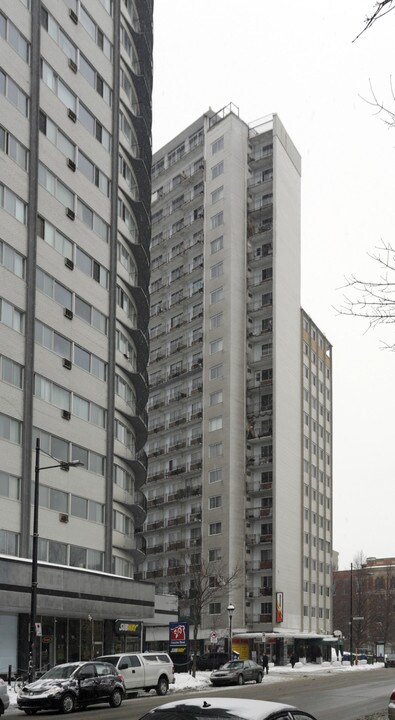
143 671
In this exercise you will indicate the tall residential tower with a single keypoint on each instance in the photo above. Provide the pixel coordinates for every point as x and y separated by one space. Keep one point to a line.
75 142
231 481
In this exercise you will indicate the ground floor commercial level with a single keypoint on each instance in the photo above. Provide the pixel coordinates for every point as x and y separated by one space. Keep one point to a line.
80 614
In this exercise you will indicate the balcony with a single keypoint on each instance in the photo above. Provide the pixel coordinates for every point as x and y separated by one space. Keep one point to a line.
174 521
154 573
175 571
154 549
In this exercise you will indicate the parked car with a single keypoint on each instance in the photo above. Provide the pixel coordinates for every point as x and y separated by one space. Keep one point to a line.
230 708
143 671
73 685
237 672
391 707
211 661
389 661
4 699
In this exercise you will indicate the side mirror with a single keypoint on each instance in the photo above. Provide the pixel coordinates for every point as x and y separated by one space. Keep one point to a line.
123 666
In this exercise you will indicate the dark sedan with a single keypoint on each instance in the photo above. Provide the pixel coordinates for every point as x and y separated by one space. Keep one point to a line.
212 708
237 672
73 685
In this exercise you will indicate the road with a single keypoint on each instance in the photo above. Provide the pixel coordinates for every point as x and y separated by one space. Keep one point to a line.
327 697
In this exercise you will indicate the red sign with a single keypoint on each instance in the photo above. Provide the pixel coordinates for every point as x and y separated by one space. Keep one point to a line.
279 607
177 633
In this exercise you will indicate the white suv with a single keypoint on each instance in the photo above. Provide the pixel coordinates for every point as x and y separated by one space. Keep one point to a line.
143 671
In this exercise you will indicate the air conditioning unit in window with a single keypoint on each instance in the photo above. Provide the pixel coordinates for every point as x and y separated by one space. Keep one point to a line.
72 115
63 518
71 164
73 65
69 263
70 213
68 313
73 16
66 414
67 364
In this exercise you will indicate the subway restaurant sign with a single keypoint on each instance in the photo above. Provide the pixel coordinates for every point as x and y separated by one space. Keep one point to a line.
128 627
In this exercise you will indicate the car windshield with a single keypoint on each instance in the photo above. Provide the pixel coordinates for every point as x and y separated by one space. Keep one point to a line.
233 665
60 672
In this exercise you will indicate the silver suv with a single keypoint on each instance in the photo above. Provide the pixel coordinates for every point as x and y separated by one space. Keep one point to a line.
4 699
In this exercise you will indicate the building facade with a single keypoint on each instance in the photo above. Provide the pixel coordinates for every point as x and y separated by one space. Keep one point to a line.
75 142
364 595
232 488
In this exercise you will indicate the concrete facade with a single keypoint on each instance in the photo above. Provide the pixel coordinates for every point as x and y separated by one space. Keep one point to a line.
75 148
225 482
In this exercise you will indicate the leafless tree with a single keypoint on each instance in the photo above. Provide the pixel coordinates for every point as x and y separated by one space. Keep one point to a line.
373 300
206 582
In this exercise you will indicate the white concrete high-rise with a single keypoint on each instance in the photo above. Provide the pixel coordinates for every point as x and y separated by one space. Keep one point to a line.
75 148
227 405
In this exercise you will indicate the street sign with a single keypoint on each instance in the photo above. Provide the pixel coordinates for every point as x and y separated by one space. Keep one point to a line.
358 618
213 637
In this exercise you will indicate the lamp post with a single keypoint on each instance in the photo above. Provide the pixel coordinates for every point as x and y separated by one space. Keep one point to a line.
351 613
231 609
33 593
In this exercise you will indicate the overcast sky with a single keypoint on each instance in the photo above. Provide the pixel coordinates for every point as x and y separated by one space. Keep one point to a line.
297 58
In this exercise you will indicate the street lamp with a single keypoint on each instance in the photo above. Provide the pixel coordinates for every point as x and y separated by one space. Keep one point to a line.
351 612
33 593
231 609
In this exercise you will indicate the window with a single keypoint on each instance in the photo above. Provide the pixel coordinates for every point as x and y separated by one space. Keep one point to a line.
217 270
216 295
14 94
14 38
214 554
216 321
9 486
216 245
9 542
55 187
215 450
216 398
215 424
11 372
217 170
217 194
217 145
13 148
215 502
10 429
12 260
217 220
216 372
214 608
216 474
11 316
13 204
215 528
216 346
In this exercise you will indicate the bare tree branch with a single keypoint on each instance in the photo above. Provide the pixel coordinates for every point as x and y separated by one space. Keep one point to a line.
373 300
380 10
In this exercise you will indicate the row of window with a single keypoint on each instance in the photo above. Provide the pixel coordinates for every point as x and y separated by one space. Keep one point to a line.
53 237
74 104
72 52
312 469
313 612
66 451
65 297
71 151
10 33
67 197
12 204
49 338
67 400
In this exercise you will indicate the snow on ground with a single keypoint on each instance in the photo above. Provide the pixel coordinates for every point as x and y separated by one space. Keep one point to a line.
185 681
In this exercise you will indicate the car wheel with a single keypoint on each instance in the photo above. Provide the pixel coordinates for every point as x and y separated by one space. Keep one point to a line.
240 680
67 704
259 678
116 698
162 686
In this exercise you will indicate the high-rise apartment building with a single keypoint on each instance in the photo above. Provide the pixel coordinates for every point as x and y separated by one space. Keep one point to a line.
75 85
239 441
